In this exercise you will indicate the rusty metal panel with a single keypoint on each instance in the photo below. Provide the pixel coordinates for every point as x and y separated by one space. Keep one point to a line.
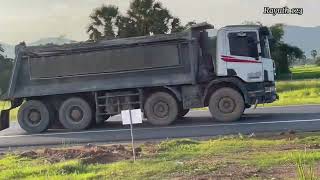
106 61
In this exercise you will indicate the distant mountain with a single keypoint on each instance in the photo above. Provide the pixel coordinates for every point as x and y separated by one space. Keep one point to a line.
52 40
9 49
306 38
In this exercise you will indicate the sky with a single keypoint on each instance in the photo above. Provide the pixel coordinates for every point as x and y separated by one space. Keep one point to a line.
31 20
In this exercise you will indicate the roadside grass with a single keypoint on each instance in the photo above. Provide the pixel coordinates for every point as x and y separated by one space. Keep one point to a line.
182 158
297 92
302 87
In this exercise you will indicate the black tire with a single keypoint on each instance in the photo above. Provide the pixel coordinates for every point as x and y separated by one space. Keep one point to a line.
183 112
75 114
226 105
34 116
161 109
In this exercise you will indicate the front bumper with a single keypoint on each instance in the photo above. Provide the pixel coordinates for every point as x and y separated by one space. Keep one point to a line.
262 93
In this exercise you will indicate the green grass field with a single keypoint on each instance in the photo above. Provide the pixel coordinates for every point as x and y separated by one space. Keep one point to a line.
302 72
298 92
303 89
230 157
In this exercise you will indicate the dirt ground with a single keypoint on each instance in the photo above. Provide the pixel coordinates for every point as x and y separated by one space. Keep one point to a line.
89 154
94 154
236 172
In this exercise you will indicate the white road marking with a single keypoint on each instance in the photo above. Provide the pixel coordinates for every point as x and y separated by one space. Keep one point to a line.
288 106
173 127
268 107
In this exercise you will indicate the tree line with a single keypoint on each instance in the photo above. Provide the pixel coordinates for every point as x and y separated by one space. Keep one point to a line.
316 58
282 53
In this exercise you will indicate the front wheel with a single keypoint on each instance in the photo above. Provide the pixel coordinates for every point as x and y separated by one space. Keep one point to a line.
226 105
161 109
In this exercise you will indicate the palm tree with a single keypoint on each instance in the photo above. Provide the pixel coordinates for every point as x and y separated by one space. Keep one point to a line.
103 18
144 17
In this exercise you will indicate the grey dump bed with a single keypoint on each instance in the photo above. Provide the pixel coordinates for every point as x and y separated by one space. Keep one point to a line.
152 61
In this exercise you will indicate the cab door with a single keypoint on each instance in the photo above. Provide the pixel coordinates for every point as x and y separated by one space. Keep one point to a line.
242 57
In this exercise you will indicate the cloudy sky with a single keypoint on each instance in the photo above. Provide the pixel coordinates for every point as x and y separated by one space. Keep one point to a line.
30 20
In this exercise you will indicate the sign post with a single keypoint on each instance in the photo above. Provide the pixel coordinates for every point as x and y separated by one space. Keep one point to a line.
130 117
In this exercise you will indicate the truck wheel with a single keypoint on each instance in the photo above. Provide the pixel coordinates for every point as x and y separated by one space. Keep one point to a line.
75 114
226 105
161 109
34 116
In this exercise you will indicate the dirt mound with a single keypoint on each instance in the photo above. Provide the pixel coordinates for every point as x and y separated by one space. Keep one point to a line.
89 154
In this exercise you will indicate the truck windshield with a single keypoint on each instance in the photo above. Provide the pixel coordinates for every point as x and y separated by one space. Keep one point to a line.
265 49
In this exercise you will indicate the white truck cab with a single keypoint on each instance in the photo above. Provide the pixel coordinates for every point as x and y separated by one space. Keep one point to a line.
243 51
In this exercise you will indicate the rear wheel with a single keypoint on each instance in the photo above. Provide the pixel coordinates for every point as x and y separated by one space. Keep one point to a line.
75 114
34 116
161 109
226 105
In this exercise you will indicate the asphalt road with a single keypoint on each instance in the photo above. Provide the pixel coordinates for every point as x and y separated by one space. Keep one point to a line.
195 124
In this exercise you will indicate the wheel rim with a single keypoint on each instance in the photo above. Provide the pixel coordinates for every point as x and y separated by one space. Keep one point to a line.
76 114
34 117
161 109
226 105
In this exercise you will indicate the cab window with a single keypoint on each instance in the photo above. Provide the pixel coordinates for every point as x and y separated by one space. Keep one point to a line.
243 44
265 50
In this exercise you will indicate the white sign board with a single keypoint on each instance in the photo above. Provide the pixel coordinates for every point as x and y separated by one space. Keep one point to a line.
136 116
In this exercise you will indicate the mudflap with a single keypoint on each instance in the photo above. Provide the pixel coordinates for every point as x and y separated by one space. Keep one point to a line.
4 119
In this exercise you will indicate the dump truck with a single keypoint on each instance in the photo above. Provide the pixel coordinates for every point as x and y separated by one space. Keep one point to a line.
80 84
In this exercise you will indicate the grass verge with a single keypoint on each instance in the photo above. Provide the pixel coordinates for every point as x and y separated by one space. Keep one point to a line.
230 157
